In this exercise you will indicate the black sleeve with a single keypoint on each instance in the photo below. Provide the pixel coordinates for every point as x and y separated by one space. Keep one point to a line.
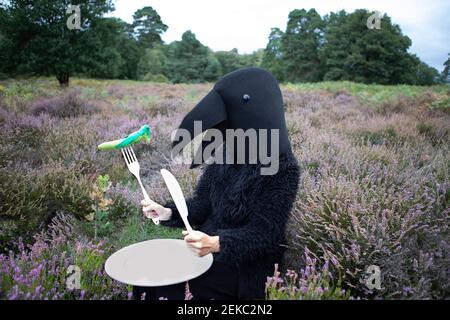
199 206
268 213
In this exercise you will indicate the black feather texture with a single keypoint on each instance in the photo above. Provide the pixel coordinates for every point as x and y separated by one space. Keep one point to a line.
248 211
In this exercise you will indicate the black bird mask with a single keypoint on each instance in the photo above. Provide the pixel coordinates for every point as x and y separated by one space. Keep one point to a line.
248 98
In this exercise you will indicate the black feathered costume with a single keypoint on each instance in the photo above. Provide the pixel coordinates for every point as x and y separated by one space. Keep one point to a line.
247 210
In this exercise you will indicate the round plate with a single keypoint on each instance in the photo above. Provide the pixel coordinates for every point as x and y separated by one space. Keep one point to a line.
155 263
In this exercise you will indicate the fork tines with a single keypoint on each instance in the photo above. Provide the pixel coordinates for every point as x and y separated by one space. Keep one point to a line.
129 155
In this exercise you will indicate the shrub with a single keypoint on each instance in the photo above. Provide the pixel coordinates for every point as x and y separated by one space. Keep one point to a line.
313 283
28 200
3 108
39 271
24 144
434 130
163 108
386 136
442 104
101 206
402 103
374 187
155 78
21 206
356 225
69 104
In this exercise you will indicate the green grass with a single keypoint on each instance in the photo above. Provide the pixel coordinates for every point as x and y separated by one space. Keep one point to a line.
29 88
138 228
372 92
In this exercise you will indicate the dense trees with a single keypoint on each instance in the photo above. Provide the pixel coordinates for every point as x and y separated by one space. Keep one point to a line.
35 40
105 33
300 44
353 52
39 41
232 60
422 74
446 72
152 64
341 47
190 61
148 27
273 54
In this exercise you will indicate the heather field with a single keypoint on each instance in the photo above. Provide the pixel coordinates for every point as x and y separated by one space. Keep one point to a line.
374 188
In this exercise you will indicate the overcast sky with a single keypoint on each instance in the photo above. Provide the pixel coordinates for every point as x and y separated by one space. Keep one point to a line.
245 24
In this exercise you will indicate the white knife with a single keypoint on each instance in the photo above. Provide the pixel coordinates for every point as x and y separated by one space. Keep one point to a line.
177 196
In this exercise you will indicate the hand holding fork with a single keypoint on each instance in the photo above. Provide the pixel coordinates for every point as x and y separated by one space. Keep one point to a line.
134 167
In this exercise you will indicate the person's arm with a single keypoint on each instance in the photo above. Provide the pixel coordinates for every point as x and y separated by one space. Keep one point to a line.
264 231
199 206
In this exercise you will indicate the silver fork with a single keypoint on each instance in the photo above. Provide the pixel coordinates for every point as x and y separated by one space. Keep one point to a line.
134 167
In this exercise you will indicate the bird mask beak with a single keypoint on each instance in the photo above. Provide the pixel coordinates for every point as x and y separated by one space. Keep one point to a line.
209 113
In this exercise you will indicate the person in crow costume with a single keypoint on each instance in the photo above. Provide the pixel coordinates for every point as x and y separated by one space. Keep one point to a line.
240 213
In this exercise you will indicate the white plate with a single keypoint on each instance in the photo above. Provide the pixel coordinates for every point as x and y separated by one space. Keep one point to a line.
155 263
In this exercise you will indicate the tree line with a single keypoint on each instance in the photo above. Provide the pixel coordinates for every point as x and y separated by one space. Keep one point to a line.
35 40
340 46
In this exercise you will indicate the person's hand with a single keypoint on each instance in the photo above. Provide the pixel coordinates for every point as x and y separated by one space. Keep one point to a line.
201 243
155 210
